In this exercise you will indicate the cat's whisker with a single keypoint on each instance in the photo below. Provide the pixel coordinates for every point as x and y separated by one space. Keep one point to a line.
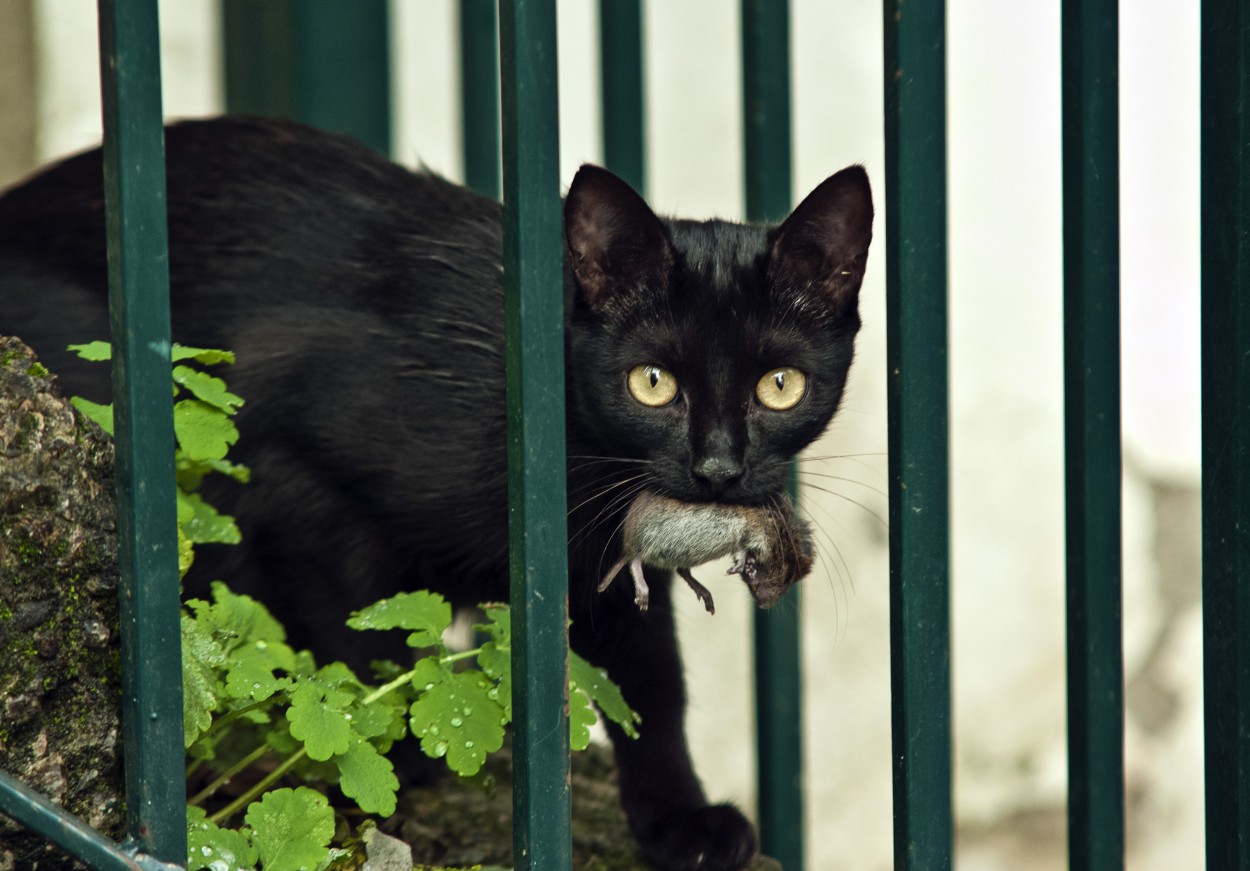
806 508
810 486
611 506
857 459
617 483
826 475
835 563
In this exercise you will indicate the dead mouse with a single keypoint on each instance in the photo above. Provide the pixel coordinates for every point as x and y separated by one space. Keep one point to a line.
771 546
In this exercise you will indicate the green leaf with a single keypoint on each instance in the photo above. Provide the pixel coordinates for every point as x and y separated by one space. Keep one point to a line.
425 614
318 721
459 720
100 415
186 553
201 657
208 388
93 351
376 719
427 673
252 679
238 615
190 473
368 777
581 718
202 523
496 662
498 625
214 848
203 432
291 829
606 695
207 356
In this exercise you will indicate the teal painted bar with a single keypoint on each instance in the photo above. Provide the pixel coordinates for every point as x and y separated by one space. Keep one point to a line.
778 660
1091 254
766 108
1225 191
138 267
533 254
322 62
917 396
623 103
479 94
35 812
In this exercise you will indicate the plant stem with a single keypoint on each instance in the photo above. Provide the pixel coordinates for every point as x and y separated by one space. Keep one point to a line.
263 784
243 764
407 676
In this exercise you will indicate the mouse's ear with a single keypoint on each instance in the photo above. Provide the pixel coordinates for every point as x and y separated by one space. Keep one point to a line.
822 248
616 244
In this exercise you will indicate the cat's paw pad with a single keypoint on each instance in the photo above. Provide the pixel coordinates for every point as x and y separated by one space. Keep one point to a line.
712 838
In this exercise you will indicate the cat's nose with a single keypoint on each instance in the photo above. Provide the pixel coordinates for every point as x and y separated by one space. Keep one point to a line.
718 473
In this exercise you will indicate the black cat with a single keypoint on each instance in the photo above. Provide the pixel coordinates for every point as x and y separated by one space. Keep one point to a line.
365 305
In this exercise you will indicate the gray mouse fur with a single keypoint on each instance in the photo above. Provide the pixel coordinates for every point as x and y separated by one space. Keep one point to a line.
771 546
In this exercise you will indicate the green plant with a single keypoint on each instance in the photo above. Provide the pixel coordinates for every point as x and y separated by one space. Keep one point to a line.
203 432
252 704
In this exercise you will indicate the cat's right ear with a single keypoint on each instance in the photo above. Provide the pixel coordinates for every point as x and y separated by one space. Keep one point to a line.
616 244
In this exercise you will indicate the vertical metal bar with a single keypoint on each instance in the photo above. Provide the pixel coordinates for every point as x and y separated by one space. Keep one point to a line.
344 68
916 333
138 258
621 80
322 62
258 57
1091 248
533 256
1225 189
479 94
778 660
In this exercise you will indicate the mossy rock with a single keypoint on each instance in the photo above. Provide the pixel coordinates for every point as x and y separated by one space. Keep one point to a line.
59 662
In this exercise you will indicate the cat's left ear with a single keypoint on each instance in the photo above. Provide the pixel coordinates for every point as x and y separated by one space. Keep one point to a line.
822 248
616 244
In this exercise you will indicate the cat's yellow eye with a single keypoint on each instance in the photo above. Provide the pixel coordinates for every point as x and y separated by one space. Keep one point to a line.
781 389
652 386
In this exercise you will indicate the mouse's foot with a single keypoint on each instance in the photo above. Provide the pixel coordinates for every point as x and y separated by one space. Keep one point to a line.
745 564
704 594
642 593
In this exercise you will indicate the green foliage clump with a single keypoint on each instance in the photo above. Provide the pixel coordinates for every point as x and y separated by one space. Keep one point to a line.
255 708
203 432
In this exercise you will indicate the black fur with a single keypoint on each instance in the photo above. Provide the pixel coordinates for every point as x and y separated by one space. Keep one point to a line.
364 303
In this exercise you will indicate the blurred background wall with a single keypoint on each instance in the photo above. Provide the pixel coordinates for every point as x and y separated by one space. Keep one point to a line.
1006 377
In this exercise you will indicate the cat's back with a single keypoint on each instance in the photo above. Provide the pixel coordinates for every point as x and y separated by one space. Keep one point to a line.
267 218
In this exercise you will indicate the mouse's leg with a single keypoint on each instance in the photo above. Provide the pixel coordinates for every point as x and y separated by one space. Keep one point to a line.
746 565
612 573
642 593
705 595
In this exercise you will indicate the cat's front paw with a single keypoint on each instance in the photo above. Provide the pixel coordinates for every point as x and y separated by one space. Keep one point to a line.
712 838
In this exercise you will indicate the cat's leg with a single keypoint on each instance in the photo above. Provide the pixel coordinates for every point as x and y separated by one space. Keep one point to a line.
676 828
704 594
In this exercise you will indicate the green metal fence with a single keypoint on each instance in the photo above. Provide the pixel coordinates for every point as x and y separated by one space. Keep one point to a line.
915 199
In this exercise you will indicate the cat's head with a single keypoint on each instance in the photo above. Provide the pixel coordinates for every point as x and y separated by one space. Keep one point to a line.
713 351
